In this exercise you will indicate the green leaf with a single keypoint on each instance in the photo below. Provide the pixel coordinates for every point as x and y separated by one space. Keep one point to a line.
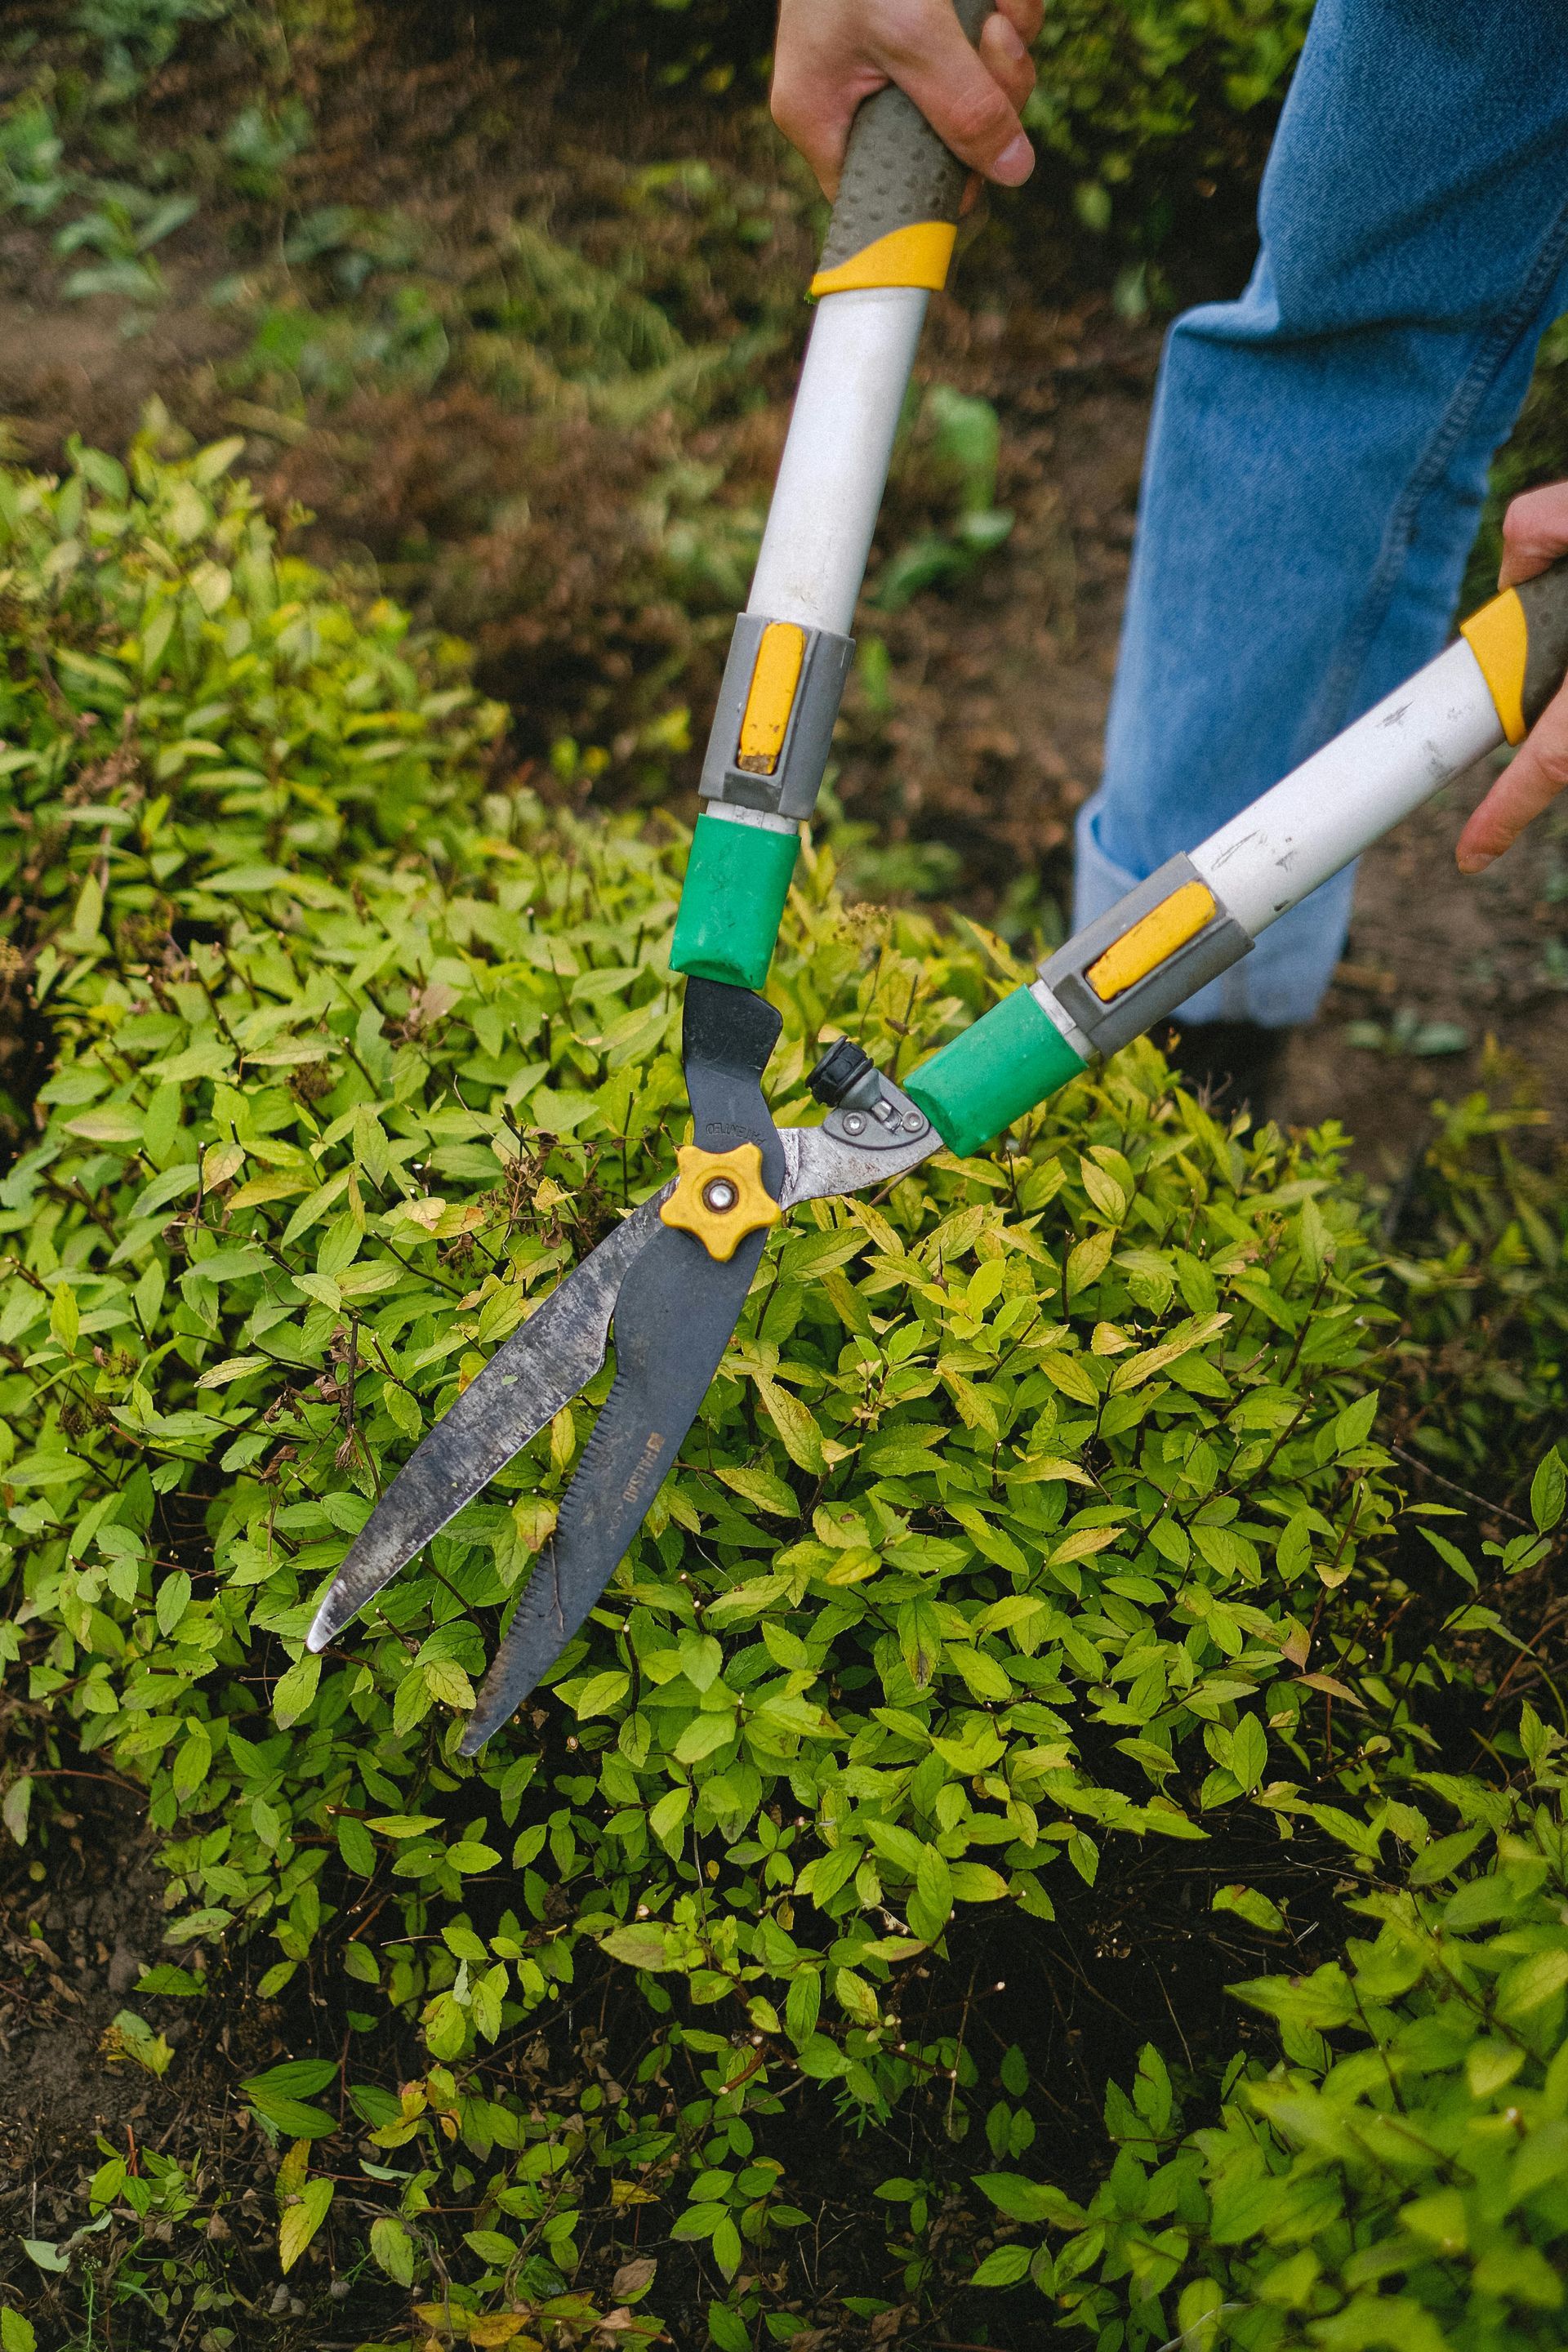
1029 2200
165 1982
356 1846
392 2249
1249 1905
797 1429
1548 1491
14 1806
1451 1553
173 1600
697 2223
294 1692
1532 1983
766 1491
1250 1751
602 1694
280 2097
727 2329
1003 2266
296 2078
803 2005
702 1734
976 1882
491 2246
472 1858
640 1947
300 2221
931 1906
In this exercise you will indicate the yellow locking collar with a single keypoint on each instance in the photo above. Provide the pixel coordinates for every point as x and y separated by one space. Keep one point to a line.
720 1198
1164 929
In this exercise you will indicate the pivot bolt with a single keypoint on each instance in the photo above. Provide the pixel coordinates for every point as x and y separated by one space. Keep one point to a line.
854 1122
721 1196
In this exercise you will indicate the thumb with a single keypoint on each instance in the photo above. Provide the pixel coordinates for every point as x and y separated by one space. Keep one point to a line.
962 100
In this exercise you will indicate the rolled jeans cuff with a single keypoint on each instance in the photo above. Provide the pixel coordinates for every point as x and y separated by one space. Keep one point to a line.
1280 984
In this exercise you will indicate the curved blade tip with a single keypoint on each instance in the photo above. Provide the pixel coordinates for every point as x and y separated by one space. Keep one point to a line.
337 1610
485 1722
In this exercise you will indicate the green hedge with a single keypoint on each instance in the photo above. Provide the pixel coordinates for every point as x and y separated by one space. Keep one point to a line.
1399 2179
1149 102
1036 1508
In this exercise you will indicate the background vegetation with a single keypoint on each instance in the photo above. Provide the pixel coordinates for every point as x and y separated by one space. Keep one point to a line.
1105 1573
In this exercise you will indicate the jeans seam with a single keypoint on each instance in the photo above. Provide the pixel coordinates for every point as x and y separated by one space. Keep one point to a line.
1464 401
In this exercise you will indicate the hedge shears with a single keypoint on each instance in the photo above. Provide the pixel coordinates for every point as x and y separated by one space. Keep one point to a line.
671 1280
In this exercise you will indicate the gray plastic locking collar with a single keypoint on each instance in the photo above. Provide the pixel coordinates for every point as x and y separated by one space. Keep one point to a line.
792 788
1220 943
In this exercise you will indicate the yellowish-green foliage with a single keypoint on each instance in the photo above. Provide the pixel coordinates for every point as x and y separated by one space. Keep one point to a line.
1399 2177
1028 1516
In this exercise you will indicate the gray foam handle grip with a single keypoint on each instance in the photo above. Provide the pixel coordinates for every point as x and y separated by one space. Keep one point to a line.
1545 602
897 172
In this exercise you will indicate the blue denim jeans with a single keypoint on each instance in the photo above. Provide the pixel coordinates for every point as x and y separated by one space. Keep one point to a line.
1318 448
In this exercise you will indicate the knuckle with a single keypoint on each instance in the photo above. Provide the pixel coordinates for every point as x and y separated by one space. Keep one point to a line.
977 118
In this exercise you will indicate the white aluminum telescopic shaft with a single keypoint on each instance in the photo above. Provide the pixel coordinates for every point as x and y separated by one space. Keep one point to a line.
835 464
1350 794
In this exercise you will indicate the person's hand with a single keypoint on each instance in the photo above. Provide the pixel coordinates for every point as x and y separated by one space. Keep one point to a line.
831 54
1534 534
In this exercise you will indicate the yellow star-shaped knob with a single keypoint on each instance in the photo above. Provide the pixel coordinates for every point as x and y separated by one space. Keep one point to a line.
720 1198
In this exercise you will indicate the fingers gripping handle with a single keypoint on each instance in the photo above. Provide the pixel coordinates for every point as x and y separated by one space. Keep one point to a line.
898 199
1520 640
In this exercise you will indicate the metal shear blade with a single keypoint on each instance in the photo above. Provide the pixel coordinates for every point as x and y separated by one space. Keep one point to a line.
674 1309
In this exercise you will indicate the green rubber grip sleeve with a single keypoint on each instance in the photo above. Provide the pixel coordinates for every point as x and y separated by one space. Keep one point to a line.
1010 1061
732 900
897 172
1545 603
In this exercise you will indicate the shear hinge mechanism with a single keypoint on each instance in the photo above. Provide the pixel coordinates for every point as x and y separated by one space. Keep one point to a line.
863 1108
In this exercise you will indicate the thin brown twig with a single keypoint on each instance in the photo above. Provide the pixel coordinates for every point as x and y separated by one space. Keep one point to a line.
1499 1510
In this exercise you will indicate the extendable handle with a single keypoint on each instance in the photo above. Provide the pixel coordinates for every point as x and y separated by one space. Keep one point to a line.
888 247
1198 915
